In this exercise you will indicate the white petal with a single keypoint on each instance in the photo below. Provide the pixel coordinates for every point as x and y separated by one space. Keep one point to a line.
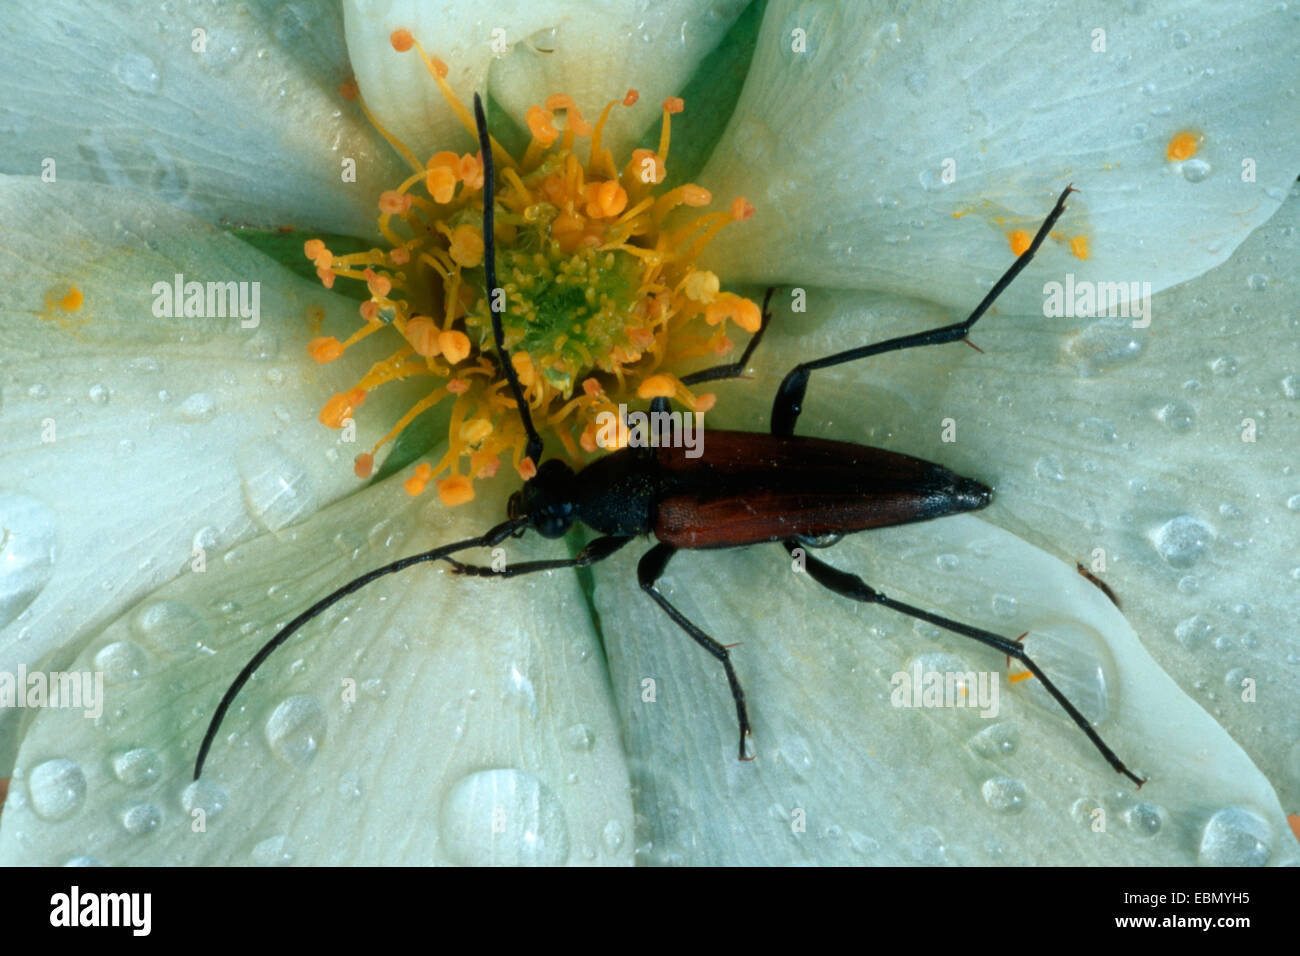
842 148
249 129
1105 441
427 719
128 440
843 776
594 52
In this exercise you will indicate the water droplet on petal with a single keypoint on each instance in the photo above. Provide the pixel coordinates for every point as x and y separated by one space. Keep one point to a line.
57 789
1236 836
1004 794
141 819
504 817
137 768
27 553
277 491
1182 540
296 728
121 661
273 851
137 73
1078 661
1143 819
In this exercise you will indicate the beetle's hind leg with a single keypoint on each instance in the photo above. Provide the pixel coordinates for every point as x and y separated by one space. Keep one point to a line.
649 570
789 396
853 587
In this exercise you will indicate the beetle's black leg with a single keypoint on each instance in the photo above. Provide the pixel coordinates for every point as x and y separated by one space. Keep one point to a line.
855 589
735 369
648 571
789 396
597 550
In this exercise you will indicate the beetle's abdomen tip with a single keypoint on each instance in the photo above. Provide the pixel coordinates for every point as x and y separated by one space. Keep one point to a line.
971 495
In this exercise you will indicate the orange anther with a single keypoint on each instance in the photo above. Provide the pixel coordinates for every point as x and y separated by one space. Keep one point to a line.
348 90
1019 240
693 195
631 98
741 209
369 310
526 469
471 170
540 125
445 158
610 199
326 277
454 345
439 67
591 387
341 407
401 40
379 285
657 386
457 386
324 349
393 203
363 465
647 166
455 490
312 248
422 333
467 246
400 256
674 104
441 183
705 402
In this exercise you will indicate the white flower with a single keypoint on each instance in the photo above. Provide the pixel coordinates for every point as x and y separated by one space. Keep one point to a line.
546 720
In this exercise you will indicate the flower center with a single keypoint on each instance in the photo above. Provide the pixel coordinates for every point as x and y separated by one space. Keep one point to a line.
599 293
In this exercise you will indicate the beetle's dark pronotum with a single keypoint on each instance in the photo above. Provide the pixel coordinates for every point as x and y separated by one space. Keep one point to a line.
747 488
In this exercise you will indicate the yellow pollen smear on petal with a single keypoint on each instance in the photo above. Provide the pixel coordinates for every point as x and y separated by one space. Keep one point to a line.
1019 241
1079 246
1183 145
1019 676
741 209
72 300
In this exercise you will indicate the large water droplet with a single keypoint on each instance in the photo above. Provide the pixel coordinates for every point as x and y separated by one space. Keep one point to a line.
1196 170
296 728
273 851
1078 661
277 491
169 627
27 551
1143 819
1181 540
1236 836
1178 416
504 818
199 407
205 796
57 789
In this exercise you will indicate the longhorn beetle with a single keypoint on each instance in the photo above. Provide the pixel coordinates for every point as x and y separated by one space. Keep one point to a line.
747 488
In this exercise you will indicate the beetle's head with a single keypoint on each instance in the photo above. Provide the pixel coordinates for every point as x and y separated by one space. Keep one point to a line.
546 500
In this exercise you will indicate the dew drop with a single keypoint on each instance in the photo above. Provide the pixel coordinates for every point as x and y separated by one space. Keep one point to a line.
199 407
137 73
580 737
296 728
1048 468
947 562
1004 605
1004 794
169 627
1192 632
273 851
1144 819
504 817
996 740
1103 345
121 661
1178 416
1196 170
205 796
57 789
99 394
1079 662
27 553
1291 386
933 180
141 819
276 489
1236 836
140 767
1182 540
1256 282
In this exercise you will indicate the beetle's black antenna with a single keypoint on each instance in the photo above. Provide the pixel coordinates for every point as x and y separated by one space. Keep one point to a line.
534 446
486 540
